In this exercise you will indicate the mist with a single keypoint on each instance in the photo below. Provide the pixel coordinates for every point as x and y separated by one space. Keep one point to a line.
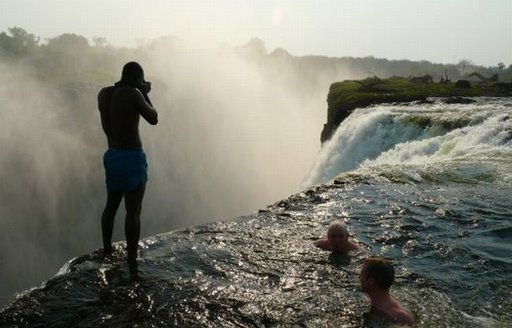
234 135
48 189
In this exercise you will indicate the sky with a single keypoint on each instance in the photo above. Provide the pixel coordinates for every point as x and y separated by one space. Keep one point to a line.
439 31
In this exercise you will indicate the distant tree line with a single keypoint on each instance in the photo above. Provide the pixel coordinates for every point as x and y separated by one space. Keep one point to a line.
72 59
370 66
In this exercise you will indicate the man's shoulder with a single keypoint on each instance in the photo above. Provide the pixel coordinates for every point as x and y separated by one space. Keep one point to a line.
401 315
118 91
108 88
323 244
127 91
106 91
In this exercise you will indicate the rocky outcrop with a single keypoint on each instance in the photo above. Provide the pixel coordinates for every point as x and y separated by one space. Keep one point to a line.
422 79
464 84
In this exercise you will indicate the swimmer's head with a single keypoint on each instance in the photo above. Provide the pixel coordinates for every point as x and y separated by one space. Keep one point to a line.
337 234
377 272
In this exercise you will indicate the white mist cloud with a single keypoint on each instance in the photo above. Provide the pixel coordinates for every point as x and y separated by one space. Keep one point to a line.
277 16
233 136
47 183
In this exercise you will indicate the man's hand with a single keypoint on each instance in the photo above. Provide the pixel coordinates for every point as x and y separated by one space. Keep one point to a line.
146 87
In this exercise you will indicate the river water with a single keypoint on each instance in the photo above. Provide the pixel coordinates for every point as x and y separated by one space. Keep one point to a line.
426 185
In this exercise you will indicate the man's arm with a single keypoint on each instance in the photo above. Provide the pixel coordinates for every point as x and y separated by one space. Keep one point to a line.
323 244
145 107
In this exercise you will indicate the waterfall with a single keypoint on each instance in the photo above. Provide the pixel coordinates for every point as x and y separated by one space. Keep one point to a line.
413 135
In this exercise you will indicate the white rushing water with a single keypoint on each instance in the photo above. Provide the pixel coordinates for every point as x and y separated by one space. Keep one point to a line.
424 134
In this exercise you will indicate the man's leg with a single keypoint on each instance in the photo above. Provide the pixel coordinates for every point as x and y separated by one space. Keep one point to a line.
107 219
133 204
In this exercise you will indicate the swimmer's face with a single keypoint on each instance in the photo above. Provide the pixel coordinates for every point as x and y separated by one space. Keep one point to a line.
337 236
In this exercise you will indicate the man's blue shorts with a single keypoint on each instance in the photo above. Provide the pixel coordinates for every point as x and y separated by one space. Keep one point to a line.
125 169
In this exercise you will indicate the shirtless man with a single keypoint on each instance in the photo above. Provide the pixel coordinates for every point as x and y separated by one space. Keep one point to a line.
376 277
125 164
337 239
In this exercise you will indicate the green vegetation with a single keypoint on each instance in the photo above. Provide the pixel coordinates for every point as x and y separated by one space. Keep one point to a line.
397 89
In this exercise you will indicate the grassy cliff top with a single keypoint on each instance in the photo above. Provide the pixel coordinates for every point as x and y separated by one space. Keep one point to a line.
373 90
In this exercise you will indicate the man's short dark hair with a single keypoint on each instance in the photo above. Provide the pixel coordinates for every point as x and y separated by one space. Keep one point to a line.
132 71
381 270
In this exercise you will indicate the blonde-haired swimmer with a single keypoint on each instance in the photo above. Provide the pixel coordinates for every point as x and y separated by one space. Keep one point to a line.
337 239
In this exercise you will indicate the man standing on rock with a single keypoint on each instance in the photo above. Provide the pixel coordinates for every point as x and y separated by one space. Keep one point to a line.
121 107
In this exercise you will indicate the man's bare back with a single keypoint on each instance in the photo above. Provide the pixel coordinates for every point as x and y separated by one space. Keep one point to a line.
120 107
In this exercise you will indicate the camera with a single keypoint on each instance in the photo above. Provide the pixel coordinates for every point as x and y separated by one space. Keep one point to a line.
146 87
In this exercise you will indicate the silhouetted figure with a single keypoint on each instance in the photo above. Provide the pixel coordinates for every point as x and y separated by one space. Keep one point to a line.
337 239
121 106
376 277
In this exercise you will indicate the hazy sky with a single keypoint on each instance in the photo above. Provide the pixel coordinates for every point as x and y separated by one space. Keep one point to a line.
444 31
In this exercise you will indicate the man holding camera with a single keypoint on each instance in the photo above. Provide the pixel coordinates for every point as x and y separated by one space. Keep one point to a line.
121 107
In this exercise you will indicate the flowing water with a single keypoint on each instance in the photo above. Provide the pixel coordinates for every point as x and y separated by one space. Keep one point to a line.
425 185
